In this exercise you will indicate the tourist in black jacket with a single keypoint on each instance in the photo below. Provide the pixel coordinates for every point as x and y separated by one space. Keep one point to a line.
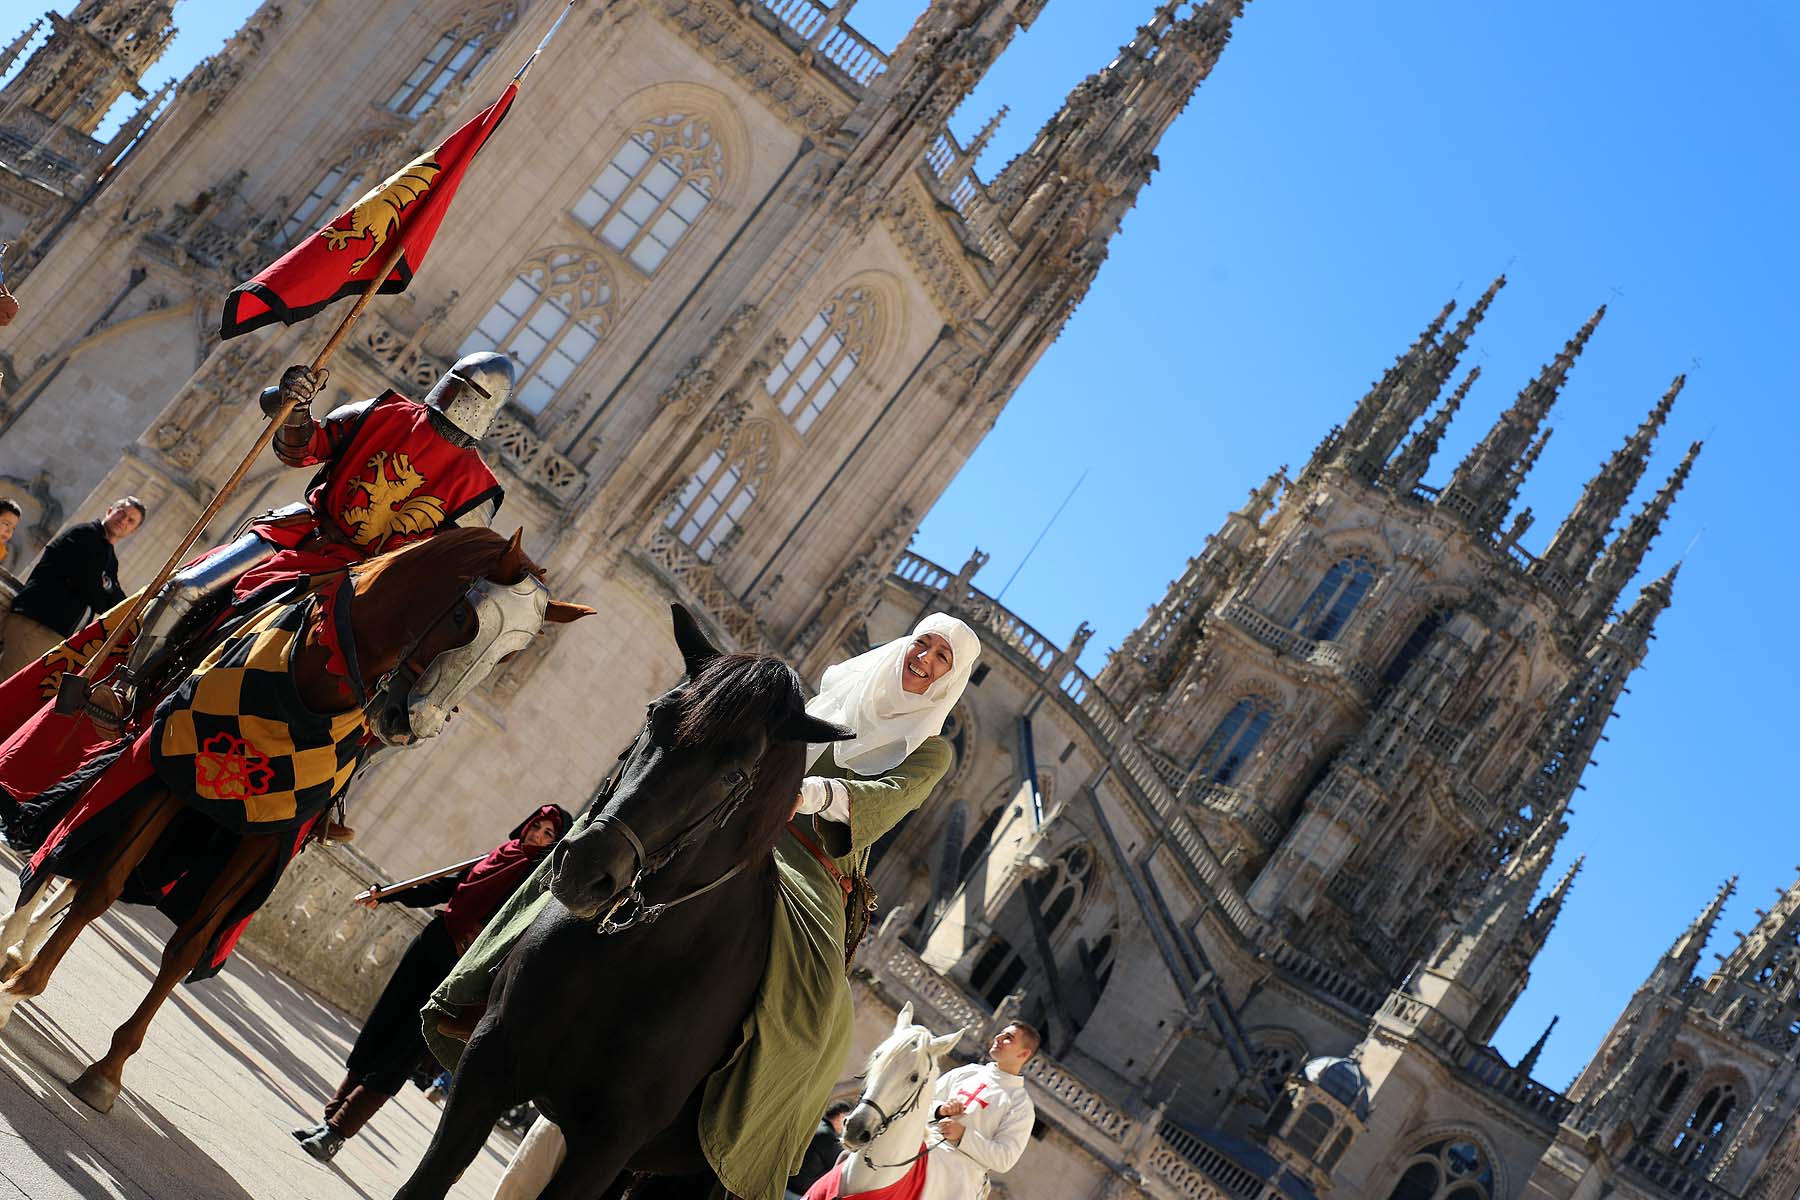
78 573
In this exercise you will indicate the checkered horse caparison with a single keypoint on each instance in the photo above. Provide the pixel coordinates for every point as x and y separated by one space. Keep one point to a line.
236 741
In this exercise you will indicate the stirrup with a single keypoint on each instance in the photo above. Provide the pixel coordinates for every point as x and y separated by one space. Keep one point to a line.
100 702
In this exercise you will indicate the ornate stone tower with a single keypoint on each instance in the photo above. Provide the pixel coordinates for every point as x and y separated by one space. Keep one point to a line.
1370 695
95 55
1697 1086
746 271
50 109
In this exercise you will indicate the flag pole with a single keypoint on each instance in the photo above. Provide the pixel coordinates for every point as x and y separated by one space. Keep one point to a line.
92 670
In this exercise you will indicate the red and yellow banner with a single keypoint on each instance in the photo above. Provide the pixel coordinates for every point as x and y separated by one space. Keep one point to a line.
340 259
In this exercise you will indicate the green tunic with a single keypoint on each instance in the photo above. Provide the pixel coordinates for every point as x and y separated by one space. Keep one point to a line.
761 1108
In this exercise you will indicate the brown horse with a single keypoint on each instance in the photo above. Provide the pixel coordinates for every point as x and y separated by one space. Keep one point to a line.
122 824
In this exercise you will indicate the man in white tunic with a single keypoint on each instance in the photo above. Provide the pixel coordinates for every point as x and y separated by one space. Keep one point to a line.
984 1118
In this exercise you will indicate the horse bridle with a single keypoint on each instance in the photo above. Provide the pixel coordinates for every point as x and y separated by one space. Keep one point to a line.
631 902
373 697
887 1121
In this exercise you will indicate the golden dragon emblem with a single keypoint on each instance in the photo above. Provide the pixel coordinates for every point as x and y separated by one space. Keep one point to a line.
377 214
394 509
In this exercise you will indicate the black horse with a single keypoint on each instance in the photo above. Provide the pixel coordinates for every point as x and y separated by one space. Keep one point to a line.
611 1013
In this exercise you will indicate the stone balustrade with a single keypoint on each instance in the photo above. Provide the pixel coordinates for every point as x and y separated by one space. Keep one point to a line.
1521 1089
1331 656
828 37
697 582
1327 978
530 456
1203 1171
1237 805
310 932
398 358
1675 1180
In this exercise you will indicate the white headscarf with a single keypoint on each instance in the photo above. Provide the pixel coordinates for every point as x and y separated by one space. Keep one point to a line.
865 694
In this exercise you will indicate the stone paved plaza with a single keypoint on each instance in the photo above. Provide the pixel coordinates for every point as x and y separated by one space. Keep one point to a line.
229 1067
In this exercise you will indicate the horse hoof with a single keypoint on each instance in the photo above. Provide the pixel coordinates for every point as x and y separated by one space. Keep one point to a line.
8 1002
95 1091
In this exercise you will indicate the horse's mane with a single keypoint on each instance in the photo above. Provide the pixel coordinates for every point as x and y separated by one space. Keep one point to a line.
461 553
733 695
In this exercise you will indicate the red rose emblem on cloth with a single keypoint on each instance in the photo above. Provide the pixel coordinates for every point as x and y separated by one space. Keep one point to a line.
230 768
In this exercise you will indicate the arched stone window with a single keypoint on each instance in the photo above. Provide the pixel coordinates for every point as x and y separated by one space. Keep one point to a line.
1310 1129
1697 1141
1067 886
342 183
997 972
548 319
1278 1056
656 185
458 53
1415 644
979 843
824 356
715 499
1233 741
334 193
1332 602
1667 1091
1453 1169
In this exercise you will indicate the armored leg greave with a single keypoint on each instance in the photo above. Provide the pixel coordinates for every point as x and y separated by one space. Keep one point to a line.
188 589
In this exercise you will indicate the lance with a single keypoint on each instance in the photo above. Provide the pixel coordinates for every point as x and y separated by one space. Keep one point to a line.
379 891
76 690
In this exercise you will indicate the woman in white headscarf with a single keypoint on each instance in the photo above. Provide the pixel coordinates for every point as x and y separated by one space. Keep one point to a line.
760 1109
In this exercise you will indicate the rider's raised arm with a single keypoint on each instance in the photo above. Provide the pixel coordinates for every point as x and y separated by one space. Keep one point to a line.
302 441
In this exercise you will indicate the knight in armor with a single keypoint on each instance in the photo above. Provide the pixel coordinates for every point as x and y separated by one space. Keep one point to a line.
390 471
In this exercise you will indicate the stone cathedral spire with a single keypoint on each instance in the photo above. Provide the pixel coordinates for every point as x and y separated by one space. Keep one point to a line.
16 47
1416 389
1486 473
1625 554
943 57
1577 542
1354 440
1056 207
1682 959
93 56
1407 471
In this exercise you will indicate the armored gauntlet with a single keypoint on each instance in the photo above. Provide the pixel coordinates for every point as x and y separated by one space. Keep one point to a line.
299 385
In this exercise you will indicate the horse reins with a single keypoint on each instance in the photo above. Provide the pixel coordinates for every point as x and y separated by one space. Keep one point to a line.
887 1122
638 910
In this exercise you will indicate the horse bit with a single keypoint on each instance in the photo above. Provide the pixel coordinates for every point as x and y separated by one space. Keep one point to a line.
638 910
887 1120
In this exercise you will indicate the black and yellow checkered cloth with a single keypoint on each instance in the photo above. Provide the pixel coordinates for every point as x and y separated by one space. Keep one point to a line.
236 741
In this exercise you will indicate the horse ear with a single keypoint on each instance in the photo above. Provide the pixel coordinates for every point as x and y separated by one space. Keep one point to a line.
513 563
696 651
904 1019
561 612
802 728
941 1046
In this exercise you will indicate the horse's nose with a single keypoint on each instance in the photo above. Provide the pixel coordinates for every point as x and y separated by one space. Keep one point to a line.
859 1127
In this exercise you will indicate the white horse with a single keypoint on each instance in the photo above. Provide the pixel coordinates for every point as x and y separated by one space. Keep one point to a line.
886 1133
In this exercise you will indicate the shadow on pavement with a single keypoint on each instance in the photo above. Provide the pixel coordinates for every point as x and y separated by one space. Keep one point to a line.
132 1149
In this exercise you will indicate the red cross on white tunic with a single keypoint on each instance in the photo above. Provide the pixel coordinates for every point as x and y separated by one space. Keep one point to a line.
973 1095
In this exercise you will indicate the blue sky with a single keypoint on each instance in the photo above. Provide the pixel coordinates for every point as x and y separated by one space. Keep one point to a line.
1346 169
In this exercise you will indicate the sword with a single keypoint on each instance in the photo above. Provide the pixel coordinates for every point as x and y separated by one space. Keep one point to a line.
381 891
